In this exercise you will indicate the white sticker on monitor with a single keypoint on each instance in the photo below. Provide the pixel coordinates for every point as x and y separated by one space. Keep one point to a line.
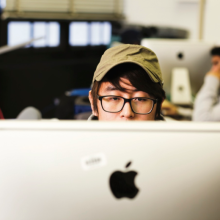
94 161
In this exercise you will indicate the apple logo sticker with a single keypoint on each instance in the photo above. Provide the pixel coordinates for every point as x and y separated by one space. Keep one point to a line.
122 183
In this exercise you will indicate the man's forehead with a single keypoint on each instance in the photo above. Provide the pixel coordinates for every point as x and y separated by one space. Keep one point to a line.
107 87
215 57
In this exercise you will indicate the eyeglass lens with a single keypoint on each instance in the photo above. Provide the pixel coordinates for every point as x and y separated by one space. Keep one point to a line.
115 104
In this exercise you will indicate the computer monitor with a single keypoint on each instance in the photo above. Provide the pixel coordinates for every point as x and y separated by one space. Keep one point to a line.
193 55
109 170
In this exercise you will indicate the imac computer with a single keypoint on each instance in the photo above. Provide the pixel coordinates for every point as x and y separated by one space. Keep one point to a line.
53 170
188 55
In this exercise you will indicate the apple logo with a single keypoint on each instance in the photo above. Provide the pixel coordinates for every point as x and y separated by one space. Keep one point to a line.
122 183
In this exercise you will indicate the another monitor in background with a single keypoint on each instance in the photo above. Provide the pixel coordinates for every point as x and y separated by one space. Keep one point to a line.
192 55
22 31
89 33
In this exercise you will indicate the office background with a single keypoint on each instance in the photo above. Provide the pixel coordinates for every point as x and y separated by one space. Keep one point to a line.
37 76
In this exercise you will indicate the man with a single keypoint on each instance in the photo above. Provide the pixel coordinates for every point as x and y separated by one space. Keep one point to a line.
127 85
207 103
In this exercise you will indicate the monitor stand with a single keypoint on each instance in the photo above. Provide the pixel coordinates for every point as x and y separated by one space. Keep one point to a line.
180 87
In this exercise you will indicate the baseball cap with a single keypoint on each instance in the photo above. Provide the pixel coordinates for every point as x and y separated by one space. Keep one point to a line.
129 53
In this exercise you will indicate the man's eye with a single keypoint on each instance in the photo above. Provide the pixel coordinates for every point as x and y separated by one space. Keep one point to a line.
115 98
140 99
112 98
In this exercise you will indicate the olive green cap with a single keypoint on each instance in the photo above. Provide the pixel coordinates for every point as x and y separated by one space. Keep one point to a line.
129 53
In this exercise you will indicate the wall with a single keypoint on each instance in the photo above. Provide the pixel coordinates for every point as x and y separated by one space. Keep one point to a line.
211 21
172 13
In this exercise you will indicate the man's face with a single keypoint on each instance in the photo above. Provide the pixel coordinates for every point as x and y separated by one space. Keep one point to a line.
126 113
215 63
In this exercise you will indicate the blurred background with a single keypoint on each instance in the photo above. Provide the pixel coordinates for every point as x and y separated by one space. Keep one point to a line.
54 74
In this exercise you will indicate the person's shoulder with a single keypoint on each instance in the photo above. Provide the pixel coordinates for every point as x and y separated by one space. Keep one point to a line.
211 79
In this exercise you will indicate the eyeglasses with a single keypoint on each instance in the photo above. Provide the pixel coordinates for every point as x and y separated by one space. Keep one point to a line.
139 105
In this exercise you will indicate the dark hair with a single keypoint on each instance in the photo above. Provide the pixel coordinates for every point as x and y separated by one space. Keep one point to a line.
137 77
215 51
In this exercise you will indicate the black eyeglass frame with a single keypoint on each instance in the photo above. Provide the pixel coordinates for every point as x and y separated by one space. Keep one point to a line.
127 100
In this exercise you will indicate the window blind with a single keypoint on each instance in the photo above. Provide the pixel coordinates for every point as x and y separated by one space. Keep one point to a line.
68 7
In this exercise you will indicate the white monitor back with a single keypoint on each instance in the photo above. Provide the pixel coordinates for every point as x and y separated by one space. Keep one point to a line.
61 170
193 55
